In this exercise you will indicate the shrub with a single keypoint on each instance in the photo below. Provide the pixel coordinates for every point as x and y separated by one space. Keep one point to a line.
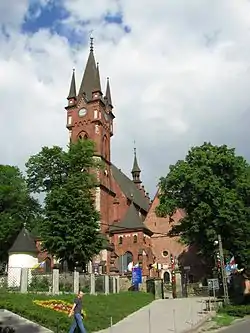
236 310
39 283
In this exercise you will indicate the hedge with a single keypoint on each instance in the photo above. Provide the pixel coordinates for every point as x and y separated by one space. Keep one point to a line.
239 311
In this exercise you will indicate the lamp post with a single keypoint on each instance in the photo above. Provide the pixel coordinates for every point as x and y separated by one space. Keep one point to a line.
223 269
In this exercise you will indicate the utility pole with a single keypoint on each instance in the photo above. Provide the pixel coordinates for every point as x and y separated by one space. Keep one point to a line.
223 271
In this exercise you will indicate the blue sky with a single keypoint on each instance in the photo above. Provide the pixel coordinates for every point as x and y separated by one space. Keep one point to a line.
179 75
54 15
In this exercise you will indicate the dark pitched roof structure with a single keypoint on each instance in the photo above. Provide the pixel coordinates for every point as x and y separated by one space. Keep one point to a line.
24 243
97 81
108 94
131 221
72 89
130 189
135 165
91 78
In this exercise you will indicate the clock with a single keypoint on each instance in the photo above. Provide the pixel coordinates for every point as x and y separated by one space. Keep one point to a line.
82 112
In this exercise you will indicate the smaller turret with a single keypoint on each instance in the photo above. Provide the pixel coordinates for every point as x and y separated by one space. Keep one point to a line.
136 171
72 91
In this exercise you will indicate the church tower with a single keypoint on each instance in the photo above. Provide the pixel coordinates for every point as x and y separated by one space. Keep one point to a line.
90 116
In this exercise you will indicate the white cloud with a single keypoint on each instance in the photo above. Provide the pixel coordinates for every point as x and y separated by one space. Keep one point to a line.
179 78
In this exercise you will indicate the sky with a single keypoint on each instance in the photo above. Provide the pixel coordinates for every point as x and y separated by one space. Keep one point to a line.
179 73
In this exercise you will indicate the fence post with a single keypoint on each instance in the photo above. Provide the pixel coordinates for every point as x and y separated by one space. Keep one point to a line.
76 282
24 280
55 282
118 284
106 284
114 284
92 284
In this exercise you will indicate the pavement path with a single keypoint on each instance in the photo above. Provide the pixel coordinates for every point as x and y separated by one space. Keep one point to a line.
242 327
164 316
21 325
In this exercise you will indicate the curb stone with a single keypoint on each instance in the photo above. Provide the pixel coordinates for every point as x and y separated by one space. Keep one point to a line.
200 323
223 328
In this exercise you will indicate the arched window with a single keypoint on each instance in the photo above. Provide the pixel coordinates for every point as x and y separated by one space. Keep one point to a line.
124 260
83 136
135 239
120 240
166 277
105 146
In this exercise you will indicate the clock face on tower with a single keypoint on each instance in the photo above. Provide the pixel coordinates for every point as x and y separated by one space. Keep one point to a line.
82 112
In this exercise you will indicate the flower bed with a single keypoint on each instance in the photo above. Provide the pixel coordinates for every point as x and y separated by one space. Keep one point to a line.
57 305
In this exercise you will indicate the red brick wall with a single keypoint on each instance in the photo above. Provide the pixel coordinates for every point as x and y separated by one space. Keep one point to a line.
186 255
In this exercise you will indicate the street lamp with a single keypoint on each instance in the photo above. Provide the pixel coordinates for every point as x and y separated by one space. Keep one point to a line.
223 269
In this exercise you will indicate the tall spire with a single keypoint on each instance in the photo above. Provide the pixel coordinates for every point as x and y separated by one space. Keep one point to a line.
89 80
97 84
108 94
136 171
72 89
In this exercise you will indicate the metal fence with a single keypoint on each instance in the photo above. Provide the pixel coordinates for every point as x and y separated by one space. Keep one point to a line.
84 282
35 281
66 282
38 281
100 284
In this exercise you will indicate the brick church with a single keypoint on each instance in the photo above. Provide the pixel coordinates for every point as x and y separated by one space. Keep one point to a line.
128 220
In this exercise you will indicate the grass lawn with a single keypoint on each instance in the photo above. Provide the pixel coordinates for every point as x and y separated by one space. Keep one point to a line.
223 319
99 308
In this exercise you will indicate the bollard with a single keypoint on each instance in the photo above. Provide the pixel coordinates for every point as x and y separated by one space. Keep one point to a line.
174 322
149 321
111 324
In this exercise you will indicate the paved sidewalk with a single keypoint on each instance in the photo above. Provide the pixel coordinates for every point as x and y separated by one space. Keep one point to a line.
242 327
21 325
163 316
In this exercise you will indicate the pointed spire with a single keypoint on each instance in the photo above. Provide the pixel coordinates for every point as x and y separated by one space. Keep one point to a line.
136 171
72 90
97 84
135 165
90 74
108 94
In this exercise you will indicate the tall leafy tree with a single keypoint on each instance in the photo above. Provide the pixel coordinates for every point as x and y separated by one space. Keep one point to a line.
17 207
212 185
70 229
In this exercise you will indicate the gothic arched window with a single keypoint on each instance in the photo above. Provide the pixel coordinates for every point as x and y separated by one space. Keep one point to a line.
120 240
83 136
166 277
105 146
135 239
124 260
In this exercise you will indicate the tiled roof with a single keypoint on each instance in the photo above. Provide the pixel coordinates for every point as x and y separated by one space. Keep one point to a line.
130 189
24 243
131 221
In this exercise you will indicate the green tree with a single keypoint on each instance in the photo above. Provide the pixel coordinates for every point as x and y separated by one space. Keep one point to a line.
17 207
70 229
212 185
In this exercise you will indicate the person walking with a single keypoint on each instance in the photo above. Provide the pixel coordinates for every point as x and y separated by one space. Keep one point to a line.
77 311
